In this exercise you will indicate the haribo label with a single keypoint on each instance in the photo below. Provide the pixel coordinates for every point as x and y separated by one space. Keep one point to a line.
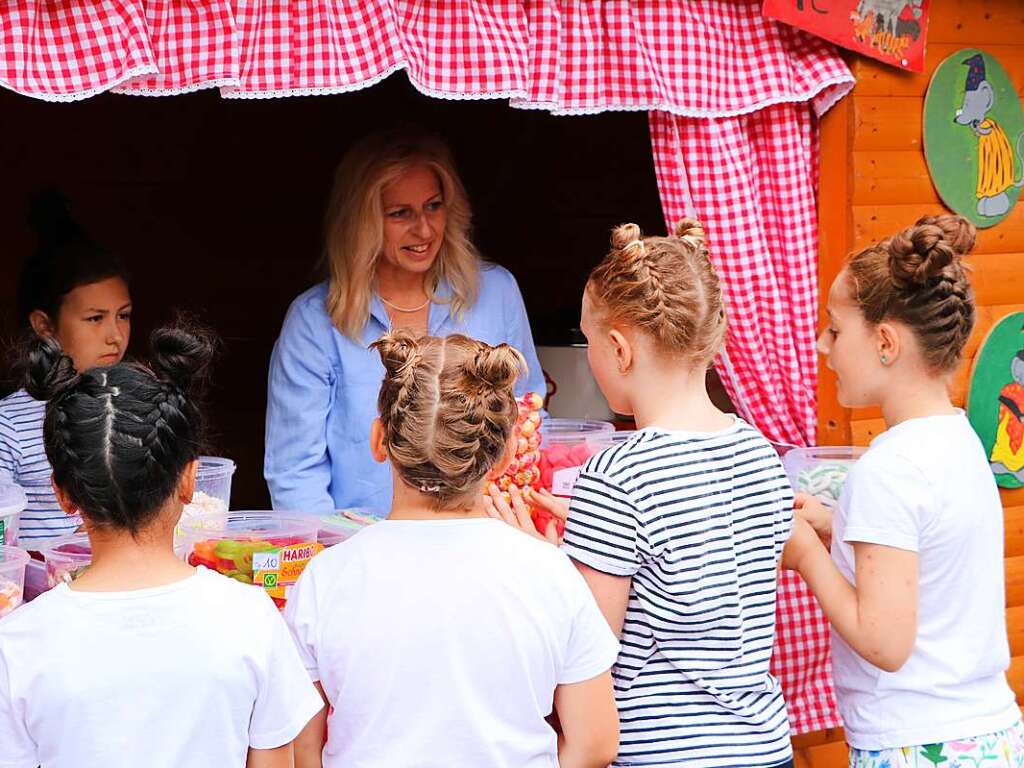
277 570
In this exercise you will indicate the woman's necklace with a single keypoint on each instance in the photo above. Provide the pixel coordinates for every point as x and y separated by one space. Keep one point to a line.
405 309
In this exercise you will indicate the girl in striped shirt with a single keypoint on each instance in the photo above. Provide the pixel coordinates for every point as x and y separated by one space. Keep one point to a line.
678 530
76 292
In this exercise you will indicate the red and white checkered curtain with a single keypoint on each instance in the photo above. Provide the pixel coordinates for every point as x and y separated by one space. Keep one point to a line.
732 99
751 180
687 57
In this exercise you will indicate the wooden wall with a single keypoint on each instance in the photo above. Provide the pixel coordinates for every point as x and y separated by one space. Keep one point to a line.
874 181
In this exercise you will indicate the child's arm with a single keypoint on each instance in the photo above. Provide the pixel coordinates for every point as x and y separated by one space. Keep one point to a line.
878 617
270 758
611 593
309 744
590 723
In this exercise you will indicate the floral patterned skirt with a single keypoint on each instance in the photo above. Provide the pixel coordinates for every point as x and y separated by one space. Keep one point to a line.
1003 749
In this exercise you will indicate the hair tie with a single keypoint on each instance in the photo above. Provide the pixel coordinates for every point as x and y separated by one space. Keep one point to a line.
424 488
631 243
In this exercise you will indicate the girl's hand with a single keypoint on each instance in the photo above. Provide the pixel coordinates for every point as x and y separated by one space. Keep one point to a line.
516 514
802 540
558 507
810 509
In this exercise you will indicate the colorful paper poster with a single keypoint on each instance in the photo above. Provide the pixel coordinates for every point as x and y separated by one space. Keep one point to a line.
892 31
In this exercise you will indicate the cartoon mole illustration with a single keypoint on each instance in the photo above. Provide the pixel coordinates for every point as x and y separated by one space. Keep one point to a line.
1008 451
995 155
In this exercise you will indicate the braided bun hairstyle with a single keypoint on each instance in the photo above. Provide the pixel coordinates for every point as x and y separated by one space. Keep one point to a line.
665 286
918 278
448 408
119 437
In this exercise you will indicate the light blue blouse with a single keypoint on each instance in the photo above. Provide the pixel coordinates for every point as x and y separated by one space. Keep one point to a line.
323 390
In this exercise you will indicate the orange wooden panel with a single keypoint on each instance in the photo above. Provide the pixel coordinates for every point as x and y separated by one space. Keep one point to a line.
887 123
1014 581
830 755
877 79
863 431
872 223
835 228
1015 629
892 178
1015 677
976 23
1014 524
998 278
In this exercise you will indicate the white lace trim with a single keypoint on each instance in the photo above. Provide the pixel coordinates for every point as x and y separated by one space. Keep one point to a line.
327 90
222 82
143 69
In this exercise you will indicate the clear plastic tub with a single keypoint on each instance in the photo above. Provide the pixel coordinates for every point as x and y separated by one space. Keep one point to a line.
12 578
346 523
12 504
821 471
565 446
66 558
35 579
270 549
213 486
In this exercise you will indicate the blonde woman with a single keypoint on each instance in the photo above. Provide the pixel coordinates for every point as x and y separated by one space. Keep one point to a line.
399 255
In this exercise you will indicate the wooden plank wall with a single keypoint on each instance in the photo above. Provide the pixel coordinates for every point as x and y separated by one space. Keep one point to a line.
874 181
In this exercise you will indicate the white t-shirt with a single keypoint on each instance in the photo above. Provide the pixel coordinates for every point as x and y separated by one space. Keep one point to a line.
925 486
440 643
189 674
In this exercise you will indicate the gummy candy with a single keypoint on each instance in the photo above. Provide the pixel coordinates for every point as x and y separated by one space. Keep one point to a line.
10 596
523 472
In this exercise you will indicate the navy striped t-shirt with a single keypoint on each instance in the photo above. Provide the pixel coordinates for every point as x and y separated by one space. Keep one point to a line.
698 520
22 454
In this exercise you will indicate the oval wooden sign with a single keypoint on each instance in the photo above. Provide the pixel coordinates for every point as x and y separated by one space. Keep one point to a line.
974 137
995 400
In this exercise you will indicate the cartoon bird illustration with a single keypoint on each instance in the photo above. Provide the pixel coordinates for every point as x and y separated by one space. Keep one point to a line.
1008 451
995 155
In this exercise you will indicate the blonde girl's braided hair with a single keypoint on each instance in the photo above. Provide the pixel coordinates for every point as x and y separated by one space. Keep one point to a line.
918 277
664 286
447 407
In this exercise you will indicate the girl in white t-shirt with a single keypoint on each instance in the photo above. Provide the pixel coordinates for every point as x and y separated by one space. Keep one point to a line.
914 584
142 659
439 636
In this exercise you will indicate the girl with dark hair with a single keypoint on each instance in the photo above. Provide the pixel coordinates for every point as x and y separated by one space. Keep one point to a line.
142 660
75 292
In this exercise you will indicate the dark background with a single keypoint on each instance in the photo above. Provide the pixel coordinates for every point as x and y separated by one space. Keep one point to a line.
216 205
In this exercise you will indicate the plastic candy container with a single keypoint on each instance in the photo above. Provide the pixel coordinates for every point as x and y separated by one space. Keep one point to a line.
346 523
12 503
213 487
565 448
66 558
265 548
821 471
12 578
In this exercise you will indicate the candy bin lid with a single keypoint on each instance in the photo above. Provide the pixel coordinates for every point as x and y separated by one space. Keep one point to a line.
821 471
554 430
66 557
12 578
269 549
12 496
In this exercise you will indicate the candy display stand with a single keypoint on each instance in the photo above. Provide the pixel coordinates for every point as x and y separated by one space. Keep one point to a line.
821 471
269 549
12 503
12 578
66 558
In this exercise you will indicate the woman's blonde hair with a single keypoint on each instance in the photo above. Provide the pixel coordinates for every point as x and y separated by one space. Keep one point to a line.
917 277
354 226
447 407
665 286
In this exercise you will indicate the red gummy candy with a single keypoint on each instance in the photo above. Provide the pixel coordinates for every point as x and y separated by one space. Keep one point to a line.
579 454
541 518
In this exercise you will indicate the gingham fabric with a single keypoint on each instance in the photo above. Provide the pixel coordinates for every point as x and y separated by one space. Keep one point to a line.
751 180
688 57
732 135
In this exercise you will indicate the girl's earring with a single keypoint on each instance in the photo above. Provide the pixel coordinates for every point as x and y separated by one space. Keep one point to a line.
884 359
